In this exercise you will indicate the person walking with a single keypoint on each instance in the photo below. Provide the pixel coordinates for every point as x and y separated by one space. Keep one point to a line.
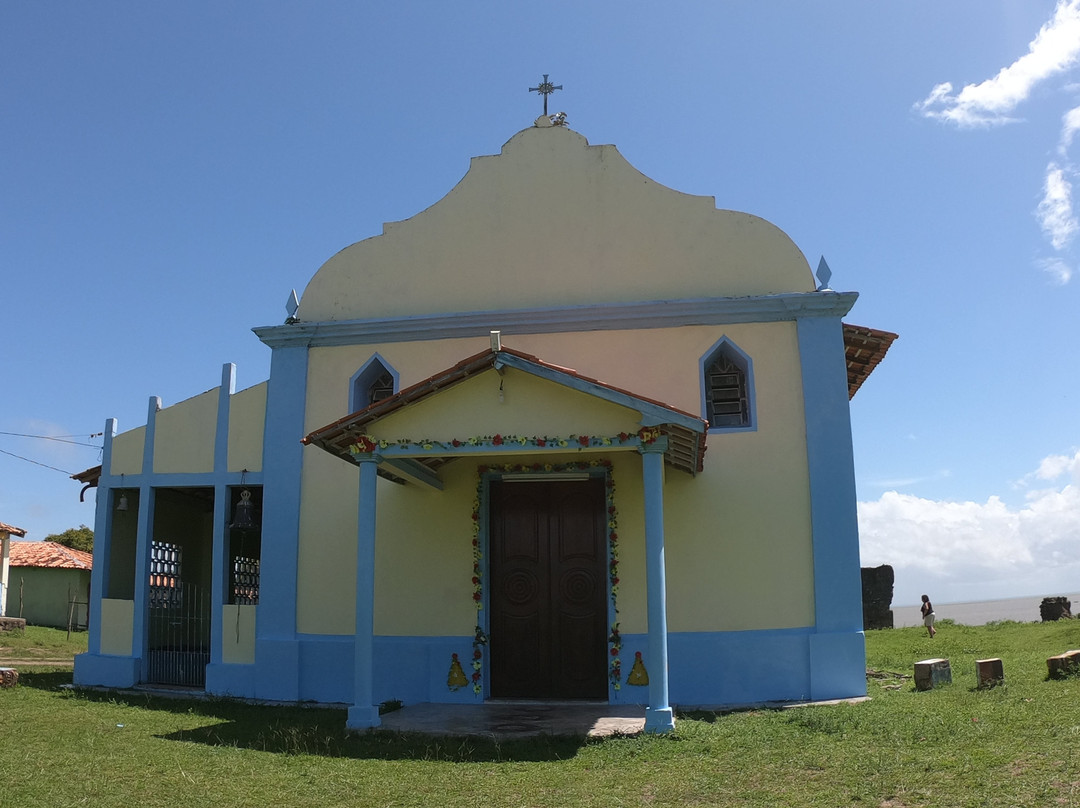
928 616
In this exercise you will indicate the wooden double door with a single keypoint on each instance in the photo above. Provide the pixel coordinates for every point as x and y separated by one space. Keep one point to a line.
548 591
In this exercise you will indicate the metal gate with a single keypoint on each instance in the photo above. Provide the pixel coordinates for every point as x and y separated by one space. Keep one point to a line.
178 648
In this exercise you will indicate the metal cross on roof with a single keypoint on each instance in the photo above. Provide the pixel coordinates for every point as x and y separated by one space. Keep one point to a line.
545 89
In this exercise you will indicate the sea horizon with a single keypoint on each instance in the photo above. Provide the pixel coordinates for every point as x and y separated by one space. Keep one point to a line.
981 612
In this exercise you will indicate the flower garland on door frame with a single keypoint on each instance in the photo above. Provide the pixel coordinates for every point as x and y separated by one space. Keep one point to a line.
366 444
614 639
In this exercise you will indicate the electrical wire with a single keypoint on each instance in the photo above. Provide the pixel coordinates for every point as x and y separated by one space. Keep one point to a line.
58 438
36 463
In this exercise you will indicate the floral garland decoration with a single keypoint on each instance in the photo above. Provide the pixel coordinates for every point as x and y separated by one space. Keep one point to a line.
479 638
366 444
614 639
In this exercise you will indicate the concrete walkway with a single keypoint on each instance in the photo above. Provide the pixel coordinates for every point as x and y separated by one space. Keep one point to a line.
505 720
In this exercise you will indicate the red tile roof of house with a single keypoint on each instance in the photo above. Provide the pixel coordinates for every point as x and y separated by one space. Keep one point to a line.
14 531
49 554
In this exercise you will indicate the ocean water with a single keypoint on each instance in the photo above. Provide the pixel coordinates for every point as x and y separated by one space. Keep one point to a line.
977 613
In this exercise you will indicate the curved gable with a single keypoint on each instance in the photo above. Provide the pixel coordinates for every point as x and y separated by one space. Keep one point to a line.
553 221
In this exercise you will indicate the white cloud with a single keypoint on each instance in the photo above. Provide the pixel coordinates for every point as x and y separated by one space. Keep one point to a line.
1070 125
1055 49
1055 211
954 547
1060 271
1055 467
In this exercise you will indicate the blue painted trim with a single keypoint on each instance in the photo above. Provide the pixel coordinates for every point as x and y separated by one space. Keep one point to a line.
831 464
556 319
658 716
103 516
748 369
414 470
365 712
286 397
365 377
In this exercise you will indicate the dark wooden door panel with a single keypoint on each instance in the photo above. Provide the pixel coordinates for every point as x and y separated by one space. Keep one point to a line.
548 629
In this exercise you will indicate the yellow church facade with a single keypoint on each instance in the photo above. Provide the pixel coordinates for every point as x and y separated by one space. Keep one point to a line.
565 434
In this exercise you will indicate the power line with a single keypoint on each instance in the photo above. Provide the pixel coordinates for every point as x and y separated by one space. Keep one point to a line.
57 438
36 463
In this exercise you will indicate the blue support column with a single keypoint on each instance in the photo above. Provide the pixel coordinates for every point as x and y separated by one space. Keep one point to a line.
364 713
103 516
144 537
659 717
219 552
837 646
277 655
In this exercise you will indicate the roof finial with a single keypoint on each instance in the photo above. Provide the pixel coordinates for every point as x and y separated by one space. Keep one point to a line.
824 274
545 89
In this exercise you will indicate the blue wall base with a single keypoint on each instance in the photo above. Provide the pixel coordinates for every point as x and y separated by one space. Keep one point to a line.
362 717
105 670
236 681
277 669
707 669
837 665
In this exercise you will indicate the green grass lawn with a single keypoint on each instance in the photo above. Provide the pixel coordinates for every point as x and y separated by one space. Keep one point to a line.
37 643
1015 745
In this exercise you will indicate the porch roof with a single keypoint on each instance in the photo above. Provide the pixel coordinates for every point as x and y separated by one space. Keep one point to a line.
684 432
12 530
864 348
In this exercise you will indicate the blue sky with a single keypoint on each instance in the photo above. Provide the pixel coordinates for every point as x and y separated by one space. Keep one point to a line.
169 172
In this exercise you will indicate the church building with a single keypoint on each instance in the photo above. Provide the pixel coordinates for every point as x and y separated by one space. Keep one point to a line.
566 434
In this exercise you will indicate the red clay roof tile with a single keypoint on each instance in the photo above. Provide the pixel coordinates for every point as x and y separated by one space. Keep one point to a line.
49 554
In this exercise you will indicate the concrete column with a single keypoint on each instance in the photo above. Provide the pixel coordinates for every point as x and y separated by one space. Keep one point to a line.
219 551
144 537
364 713
659 717
103 520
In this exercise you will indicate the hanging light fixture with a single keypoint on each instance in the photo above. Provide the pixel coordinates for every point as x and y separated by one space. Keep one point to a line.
244 515
122 502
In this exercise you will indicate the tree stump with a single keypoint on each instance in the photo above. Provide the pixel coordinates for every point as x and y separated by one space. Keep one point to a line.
989 672
1063 665
929 673
9 677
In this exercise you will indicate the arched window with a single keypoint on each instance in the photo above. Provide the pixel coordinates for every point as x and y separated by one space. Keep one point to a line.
727 388
375 381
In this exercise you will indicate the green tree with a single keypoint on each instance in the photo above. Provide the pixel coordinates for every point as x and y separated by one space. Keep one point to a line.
77 538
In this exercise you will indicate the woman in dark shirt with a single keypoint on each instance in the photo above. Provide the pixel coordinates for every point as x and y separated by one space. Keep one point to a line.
928 615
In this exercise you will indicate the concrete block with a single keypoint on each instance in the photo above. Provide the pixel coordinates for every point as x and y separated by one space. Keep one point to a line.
929 673
989 672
